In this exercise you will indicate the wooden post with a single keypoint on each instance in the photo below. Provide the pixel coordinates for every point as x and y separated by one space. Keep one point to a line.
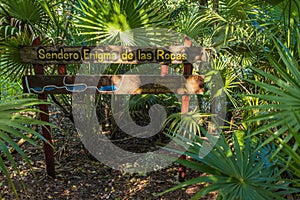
62 69
164 70
44 116
187 70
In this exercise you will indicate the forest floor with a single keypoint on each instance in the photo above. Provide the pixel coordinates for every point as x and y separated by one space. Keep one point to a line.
78 176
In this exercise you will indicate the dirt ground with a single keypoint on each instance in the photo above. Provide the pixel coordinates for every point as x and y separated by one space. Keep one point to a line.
79 176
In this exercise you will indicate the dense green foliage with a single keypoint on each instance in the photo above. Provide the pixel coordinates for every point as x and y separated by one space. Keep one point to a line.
254 45
234 172
14 124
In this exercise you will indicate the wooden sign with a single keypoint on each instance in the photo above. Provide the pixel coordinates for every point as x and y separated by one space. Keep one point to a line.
110 84
116 84
110 54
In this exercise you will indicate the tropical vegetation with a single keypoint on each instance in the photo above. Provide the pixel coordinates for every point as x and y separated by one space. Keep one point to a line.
254 46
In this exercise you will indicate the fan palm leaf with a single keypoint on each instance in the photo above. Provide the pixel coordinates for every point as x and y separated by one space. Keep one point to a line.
25 15
283 109
279 116
13 124
186 123
10 65
112 21
234 172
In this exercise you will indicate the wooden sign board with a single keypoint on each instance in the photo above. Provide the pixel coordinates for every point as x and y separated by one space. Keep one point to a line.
115 84
108 84
111 54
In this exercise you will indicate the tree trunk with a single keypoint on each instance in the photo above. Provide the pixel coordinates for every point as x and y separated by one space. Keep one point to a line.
215 5
203 3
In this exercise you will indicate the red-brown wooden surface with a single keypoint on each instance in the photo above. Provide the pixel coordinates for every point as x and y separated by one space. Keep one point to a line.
187 70
44 116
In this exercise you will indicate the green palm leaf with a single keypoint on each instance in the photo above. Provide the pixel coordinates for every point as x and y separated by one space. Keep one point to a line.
283 95
10 65
13 125
234 172
25 15
112 21
187 123
281 114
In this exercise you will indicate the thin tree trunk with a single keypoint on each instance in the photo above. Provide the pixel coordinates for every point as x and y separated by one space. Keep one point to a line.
215 5
203 3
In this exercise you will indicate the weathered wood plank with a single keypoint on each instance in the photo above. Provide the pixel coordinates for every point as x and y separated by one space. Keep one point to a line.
110 54
117 84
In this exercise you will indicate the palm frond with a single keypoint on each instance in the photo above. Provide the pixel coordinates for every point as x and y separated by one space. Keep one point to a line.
24 15
10 65
284 102
13 125
112 22
234 172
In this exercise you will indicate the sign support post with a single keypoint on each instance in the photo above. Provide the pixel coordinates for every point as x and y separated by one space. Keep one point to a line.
187 70
44 116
